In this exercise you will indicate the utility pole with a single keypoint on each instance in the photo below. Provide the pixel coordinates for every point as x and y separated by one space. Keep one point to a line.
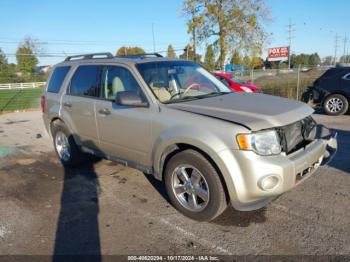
345 40
336 48
290 31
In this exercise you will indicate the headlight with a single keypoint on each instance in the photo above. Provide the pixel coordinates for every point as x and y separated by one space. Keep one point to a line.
246 89
263 143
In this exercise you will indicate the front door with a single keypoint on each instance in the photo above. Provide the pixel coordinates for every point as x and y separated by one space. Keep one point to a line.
124 131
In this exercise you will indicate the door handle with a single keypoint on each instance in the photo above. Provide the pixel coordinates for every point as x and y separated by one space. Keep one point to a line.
67 104
104 111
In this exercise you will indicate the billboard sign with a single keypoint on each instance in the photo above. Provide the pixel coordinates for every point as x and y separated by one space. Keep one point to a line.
278 53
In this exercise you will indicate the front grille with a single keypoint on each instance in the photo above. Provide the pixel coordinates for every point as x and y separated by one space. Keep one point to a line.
296 135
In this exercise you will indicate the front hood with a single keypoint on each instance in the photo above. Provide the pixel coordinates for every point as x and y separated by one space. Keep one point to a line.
254 111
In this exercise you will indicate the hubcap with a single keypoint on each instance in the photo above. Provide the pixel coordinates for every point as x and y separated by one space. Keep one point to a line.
190 188
62 146
335 105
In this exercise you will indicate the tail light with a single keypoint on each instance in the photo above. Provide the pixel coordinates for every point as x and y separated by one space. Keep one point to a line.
43 104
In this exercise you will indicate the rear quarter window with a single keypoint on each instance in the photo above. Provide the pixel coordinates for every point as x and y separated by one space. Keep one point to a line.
57 78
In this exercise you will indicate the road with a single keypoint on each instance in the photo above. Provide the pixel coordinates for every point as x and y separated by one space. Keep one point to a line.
105 208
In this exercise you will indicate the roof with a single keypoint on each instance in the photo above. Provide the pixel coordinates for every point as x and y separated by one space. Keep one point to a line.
109 58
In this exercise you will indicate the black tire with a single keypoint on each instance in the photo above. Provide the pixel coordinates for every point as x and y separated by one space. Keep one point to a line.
217 202
76 157
335 97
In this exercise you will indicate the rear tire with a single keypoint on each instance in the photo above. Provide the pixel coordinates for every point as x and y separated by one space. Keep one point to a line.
65 146
194 186
335 105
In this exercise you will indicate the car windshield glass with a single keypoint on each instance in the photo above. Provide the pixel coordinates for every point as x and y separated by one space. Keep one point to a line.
175 81
237 80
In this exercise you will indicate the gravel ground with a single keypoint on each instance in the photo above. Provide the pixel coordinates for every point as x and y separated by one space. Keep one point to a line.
105 208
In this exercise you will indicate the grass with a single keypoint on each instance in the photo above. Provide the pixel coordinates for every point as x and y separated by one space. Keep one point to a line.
19 99
285 84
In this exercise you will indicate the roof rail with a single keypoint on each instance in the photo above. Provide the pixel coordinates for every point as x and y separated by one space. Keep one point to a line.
136 56
89 56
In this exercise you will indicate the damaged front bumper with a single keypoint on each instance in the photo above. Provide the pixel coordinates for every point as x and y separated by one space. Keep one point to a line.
288 169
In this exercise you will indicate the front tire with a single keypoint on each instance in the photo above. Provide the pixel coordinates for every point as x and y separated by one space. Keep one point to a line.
194 186
335 105
65 146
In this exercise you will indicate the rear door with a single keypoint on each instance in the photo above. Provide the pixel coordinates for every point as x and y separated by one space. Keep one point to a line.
124 131
78 104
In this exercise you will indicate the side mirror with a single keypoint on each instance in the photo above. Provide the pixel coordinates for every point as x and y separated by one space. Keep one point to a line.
130 98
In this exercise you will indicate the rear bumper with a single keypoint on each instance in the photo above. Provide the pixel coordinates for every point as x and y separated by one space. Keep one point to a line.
246 170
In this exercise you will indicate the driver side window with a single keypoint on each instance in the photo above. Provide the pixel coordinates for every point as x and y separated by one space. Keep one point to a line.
117 79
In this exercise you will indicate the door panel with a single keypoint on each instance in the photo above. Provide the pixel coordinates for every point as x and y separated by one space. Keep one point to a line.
124 132
82 121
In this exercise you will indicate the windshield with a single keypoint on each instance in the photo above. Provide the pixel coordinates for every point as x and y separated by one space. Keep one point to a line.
237 80
175 81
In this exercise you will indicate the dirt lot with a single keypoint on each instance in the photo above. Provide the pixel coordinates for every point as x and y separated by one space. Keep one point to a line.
104 208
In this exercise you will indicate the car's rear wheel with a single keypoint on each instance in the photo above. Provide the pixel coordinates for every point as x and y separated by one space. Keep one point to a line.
336 105
65 146
194 186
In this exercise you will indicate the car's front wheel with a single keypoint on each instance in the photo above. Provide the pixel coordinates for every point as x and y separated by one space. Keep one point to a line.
336 104
194 186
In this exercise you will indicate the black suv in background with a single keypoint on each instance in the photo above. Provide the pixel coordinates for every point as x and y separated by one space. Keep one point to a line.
331 91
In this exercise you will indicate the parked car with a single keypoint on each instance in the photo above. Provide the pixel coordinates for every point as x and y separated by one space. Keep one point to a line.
331 91
209 145
235 83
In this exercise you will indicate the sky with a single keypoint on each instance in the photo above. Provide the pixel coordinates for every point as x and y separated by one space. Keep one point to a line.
84 26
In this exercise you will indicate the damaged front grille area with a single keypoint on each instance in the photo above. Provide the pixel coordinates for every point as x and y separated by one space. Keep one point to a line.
297 135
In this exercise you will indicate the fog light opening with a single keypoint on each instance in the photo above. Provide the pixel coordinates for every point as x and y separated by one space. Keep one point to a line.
269 183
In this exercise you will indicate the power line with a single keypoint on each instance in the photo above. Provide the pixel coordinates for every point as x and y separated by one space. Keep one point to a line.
290 31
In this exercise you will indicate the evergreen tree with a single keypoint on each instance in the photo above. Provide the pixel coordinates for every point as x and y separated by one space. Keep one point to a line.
209 59
171 52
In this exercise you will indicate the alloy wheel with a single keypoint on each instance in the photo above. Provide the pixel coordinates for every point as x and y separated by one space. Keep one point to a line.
190 188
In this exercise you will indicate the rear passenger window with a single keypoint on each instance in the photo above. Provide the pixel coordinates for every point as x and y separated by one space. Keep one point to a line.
57 78
86 81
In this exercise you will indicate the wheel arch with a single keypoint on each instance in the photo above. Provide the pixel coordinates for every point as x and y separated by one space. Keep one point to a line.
174 149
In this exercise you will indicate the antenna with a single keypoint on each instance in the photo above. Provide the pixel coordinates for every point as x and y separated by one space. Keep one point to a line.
154 41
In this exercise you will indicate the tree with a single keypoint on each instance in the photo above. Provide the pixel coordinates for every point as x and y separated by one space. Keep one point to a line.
230 23
236 58
7 71
256 62
124 50
188 54
26 58
328 60
171 52
246 61
209 59
314 59
3 59
345 59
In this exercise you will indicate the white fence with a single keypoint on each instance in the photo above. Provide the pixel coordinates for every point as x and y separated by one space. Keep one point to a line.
22 85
